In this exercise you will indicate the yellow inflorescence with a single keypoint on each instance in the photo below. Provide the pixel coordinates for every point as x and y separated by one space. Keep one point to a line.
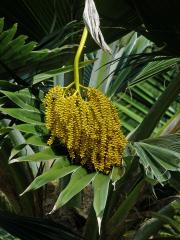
89 127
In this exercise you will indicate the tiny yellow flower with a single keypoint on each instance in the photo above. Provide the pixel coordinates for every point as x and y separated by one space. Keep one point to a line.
90 128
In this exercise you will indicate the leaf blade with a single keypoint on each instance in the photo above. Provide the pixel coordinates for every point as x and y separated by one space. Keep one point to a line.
79 180
101 187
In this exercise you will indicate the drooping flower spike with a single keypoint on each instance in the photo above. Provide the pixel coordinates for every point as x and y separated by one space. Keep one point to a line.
86 122
89 127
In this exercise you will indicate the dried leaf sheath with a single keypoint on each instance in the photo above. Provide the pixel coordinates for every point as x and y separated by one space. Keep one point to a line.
92 22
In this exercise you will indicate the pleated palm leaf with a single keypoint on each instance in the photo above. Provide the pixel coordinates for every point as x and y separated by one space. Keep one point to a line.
33 228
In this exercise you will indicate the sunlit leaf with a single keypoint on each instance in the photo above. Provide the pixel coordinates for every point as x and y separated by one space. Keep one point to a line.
60 169
34 129
22 100
117 173
16 150
46 154
24 115
79 180
101 187
36 141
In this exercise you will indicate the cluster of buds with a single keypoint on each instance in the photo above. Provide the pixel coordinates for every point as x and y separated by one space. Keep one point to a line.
88 126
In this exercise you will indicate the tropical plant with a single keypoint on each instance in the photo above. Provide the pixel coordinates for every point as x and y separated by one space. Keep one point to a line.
148 162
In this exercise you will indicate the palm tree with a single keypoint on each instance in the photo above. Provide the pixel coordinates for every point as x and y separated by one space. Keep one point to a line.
30 70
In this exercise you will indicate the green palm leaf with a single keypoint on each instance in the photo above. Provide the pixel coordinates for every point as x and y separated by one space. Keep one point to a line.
159 156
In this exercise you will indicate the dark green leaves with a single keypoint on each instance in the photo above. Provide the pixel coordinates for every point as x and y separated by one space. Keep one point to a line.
6 37
17 55
1 24
35 228
152 226
6 236
27 112
153 68
22 99
126 205
5 85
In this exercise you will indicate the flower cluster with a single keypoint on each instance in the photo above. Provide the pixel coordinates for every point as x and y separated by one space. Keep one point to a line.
88 126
